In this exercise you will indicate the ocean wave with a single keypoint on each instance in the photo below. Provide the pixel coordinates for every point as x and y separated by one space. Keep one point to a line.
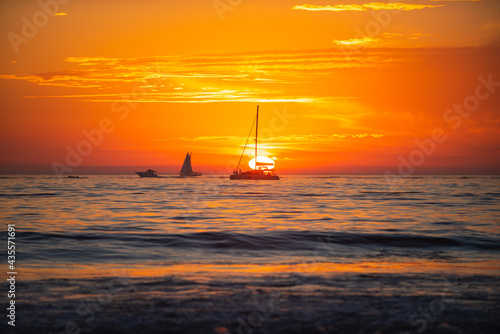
283 240
30 195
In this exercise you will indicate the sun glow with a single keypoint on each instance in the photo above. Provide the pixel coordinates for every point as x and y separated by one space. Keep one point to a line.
263 162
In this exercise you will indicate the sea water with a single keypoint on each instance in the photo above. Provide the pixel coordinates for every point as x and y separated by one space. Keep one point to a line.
303 254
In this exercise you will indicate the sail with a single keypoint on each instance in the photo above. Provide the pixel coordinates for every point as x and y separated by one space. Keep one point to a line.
186 167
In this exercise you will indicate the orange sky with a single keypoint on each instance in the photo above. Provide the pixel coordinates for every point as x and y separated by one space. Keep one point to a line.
343 87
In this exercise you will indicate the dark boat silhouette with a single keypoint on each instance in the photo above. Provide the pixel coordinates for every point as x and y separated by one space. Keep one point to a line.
147 173
187 170
261 171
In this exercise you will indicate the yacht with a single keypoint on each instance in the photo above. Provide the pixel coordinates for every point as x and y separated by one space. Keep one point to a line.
262 171
148 173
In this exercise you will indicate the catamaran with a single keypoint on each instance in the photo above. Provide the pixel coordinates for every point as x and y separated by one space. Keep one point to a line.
187 170
262 171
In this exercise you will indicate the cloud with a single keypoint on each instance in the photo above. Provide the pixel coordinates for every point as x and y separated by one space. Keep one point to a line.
68 78
245 77
269 146
385 37
364 7
412 36
187 97
392 34
417 35
332 8
281 140
295 76
355 42
314 138
214 138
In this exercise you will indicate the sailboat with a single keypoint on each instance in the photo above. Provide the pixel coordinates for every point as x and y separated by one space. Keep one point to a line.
262 170
187 170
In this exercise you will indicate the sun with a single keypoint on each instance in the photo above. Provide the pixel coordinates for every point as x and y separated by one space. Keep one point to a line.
263 162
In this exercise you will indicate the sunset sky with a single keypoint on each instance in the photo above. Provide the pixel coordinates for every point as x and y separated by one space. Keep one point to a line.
344 87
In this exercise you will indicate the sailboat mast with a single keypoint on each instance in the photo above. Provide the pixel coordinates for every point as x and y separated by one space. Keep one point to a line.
256 136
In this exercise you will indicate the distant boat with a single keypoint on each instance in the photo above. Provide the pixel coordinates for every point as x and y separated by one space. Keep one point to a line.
148 173
73 176
187 170
261 172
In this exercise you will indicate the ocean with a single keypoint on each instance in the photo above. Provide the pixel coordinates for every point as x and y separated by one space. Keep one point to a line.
306 254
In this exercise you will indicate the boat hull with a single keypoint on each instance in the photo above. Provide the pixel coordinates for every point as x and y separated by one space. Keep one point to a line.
253 177
190 174
146 174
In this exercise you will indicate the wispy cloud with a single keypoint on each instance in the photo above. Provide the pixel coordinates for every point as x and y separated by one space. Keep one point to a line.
385 37
418 35
269 146
356 41
213 138
331 8
295 76
76 79
244 77
188 97
280 140
314 138
365 7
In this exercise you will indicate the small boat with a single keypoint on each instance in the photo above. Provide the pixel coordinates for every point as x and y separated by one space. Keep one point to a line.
262 171
187 170
148 173
73 176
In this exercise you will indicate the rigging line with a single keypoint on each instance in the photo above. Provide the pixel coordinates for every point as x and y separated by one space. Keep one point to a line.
246 144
